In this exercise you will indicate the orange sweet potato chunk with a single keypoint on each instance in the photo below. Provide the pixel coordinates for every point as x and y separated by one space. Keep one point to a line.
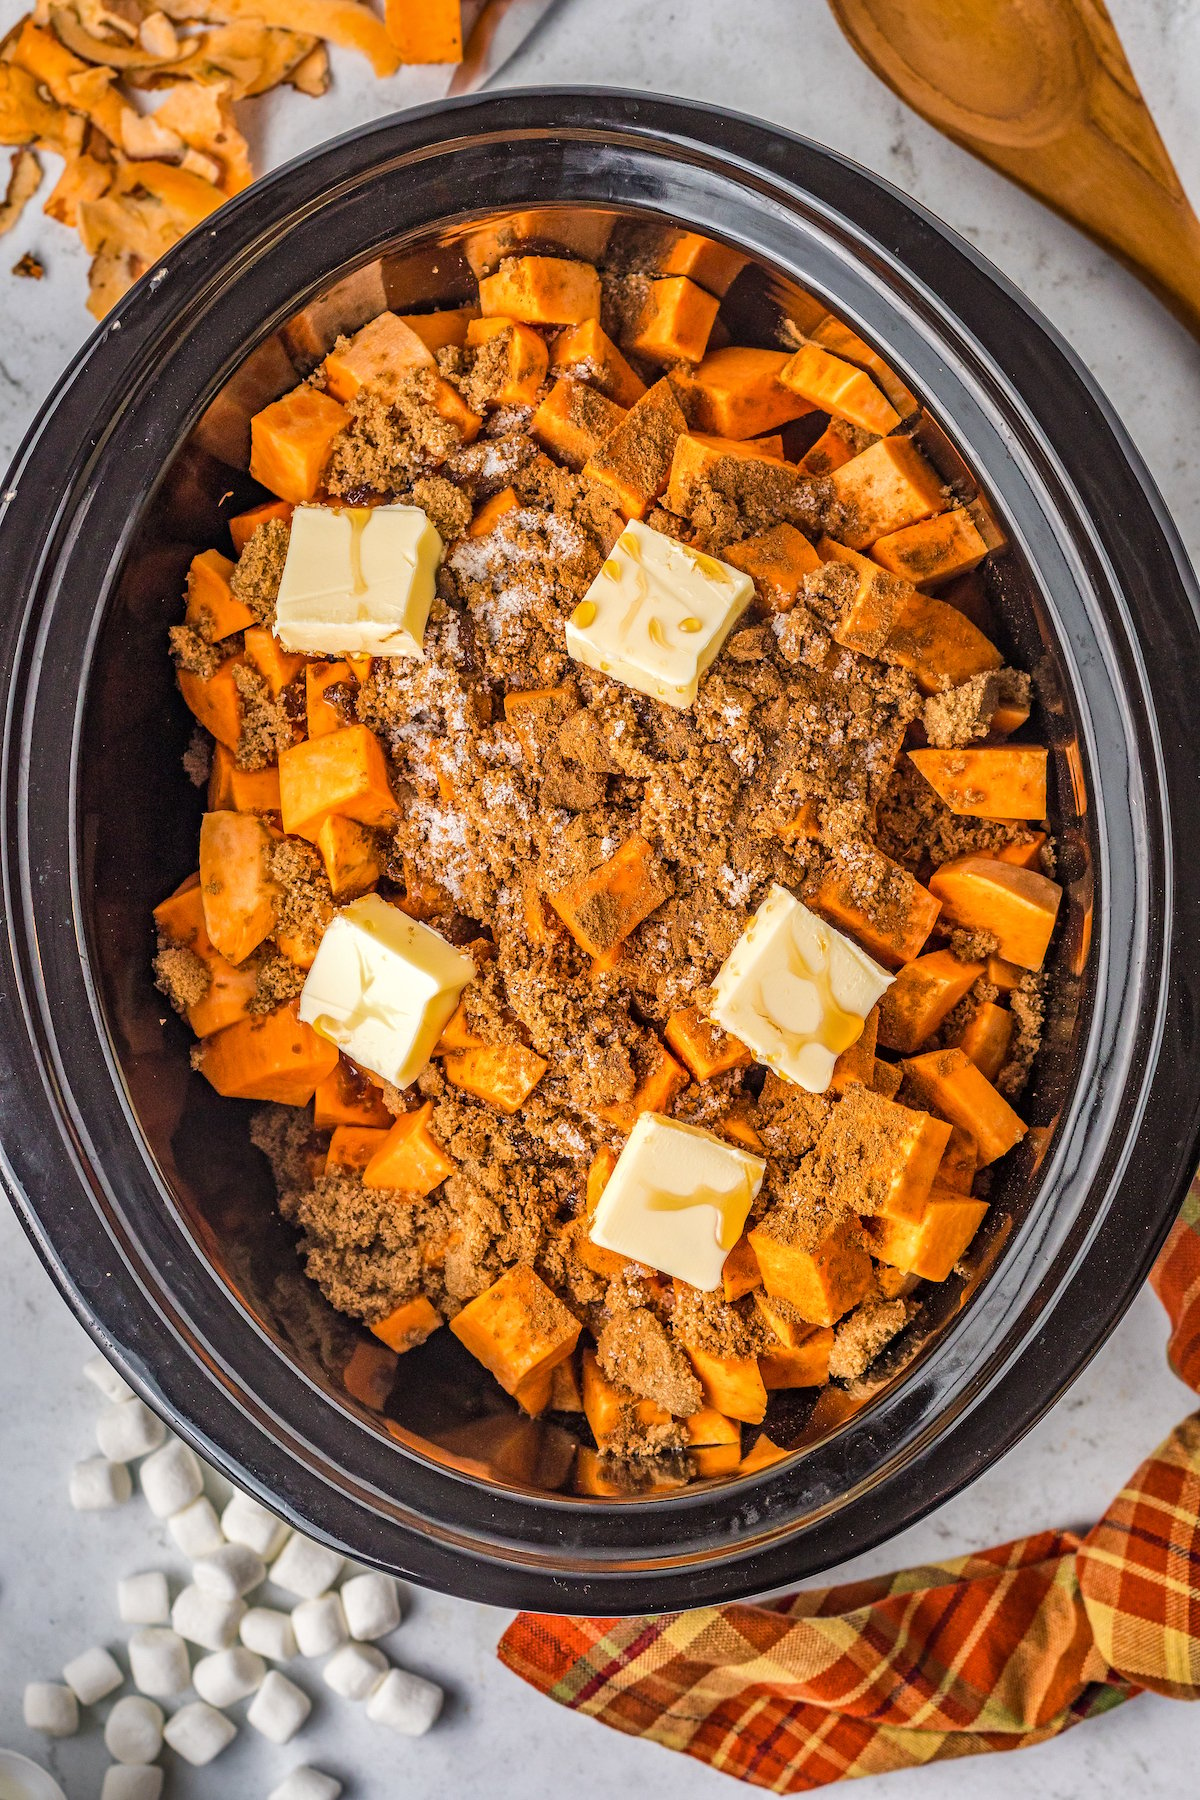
278 667
634 462
831 450
492 511
439 330
839 389
805 1364
609 1408
697 455
351 1147
894 621
351 856
675 322
599 1172
535 714
601 908
517 1328
776 560
573 421
273 1057
762 1453
884 488
959 1163
714 1441
526 361
231 789
703 1046
321 716
211 607
987 1036
243 526
290 442
1018 907
587 353
504 1077
656 1092
241 897
855 1067
933 550
1007 781
948 1081
886 1156
409 1157
230 991
346 1097
732 1384
822 1272
378 358
343 772
740 1273
214 701
541 290
736 393
408 1325
180 917
1025 854
923 994
891 921
930 1246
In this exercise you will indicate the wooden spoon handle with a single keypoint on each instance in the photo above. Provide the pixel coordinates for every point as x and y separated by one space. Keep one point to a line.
1042 90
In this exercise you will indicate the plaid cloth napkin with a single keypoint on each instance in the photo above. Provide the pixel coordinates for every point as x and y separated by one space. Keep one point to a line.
987 1652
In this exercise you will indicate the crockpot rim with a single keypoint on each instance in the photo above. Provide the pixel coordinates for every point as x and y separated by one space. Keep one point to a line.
131 314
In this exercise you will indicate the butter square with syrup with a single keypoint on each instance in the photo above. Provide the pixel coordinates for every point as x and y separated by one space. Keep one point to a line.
382 988
358 581
796 991
657 614
677 1200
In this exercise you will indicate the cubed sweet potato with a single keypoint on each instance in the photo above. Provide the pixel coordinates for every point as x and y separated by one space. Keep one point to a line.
894 621
408 1325
949 1082
703 1046
535 714
271 1057
834 334
211 608
805 1364
674 323
884 488
740 1271
291 441
587 353
343 772
1018 907
838 388
517 1327
986 1037
855 1067
231 789
1006 781
656 1092
321 716
886 1155
732 1384
831 450
214 701
378 358
891 921
776 560
698 457
929 1246
821 1270
734 1125
601 908
933 550
761 1455
633 464
241 897
351 1148
409 1157
440 330
351 856
503 1076
346 1097
278 667
960 1160
243 526
541 290
573 421
609 1410
714 1441
736 393
526 359
227 998
1025 853
923 994
599 1170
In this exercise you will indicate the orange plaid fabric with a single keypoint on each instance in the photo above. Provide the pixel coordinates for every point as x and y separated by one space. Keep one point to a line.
989 1652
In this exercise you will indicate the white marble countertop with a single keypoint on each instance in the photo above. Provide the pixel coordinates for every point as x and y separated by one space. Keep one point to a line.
785 60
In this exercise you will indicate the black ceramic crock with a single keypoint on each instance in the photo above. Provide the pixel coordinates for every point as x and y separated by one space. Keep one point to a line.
140 1189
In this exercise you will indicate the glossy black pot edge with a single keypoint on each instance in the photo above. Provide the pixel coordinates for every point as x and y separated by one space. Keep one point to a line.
1064 1343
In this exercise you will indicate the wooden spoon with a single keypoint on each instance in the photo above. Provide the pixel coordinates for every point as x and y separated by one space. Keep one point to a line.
1042 90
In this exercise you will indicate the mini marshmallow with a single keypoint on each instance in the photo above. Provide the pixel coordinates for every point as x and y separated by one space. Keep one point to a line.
206 1619
51 1709
198 1732
229 1572
355 1671
269 1633
279 1708
228 1675
306 1784
158 1661
196 1529
133 1730
405 1702
97 1485
372 1606
304 1568
91 1675
101 1374
171 1479
245 1521
125 1782
128 1429
144 1599
319 1625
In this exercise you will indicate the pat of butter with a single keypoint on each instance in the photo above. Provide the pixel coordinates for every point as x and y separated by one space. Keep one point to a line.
358 581
796 991
382 987
657 614
677 1200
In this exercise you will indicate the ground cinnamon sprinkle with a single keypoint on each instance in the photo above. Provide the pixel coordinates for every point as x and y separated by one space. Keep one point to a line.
519 774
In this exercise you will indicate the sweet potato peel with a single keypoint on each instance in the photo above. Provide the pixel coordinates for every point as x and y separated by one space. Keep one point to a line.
81 78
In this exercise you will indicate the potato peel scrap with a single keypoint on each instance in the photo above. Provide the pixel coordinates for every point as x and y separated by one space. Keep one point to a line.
81 78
